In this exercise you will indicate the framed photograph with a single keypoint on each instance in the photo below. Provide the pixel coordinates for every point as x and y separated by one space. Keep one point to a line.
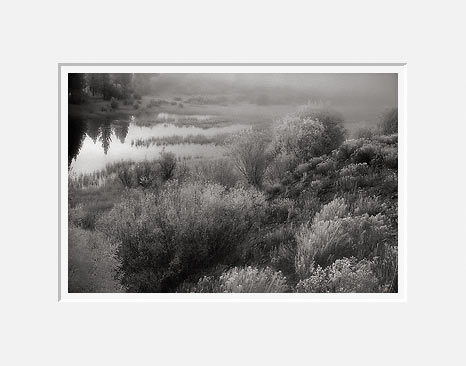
243 183
232 182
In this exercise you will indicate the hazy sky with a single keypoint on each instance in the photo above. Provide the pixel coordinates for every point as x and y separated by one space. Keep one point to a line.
334 87
360 96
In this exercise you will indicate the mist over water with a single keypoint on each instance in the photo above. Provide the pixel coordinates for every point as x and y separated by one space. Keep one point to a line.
210 104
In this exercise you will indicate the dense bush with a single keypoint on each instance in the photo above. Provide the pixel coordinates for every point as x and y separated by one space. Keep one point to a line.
184 229
348 148
309 133
92 262
345 275
334 234
380 151
367 153
244 280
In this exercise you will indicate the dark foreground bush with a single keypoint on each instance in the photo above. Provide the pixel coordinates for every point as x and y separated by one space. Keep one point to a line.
170 237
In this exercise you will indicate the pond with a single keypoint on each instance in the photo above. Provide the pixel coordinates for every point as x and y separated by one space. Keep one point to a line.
92 144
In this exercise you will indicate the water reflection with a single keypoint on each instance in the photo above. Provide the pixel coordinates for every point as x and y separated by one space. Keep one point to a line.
96 130
92 144
76 133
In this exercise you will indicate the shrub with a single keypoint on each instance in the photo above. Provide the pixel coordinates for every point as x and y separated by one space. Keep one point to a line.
389 156
325 167
387 139
244 280
347 183
302 169
385 267
92 262
354 170
365 154
167 164
389 122
86 217
281 248
125 176
279 210
333 210
114 103
249 152
146 174
348 148
367 205
309 133
345 275
183 230
136 105
333 234
280 167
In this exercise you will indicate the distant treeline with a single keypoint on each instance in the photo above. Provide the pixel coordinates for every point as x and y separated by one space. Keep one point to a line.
119 86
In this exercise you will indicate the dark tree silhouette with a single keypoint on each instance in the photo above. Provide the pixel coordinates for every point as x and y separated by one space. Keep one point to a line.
106 136
93 130
76 85
76 134
121 130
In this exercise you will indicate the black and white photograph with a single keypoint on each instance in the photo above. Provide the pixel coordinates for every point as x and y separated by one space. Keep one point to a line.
232 182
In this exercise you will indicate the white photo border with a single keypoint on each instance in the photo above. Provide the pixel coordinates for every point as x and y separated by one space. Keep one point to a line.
65 68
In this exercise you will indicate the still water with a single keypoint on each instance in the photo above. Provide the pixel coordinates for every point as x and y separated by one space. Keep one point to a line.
93 144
